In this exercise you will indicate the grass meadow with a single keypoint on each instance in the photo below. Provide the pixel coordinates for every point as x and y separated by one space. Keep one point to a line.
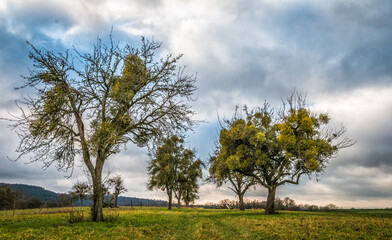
159 223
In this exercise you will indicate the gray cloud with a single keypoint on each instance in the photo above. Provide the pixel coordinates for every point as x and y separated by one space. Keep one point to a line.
244 53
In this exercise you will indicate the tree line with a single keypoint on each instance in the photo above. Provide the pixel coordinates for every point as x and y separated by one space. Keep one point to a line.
14 199
90 105
280 204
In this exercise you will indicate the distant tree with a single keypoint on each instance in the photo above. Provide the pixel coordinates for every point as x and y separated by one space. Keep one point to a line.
34 202
329 207
91 104
221 173
278 148
6 198
193 173
117 183
64 200
81 190
16 195
106 192
226 203
171 166
289 204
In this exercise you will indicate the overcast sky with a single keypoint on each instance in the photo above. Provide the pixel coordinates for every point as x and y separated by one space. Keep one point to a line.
244 52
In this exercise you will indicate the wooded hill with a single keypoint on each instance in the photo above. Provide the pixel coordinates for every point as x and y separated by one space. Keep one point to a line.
50 196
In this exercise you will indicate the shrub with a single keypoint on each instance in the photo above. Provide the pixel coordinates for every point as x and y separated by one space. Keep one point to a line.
75 217
111 217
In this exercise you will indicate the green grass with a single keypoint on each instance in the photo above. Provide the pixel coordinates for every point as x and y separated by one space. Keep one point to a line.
159 223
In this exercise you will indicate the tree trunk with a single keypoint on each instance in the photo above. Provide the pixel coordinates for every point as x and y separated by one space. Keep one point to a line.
13 207
81 202
270 208
96 210
170 200
241 202
179 201
115 201
187 204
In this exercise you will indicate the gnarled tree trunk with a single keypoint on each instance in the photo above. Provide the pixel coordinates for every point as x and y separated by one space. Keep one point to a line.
270 208
96 209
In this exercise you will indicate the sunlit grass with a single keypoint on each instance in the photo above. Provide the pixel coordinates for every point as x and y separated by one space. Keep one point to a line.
159 223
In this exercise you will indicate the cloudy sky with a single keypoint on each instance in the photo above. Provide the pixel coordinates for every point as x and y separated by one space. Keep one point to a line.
244 52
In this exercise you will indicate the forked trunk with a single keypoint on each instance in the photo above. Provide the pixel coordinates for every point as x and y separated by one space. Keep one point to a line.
96 209
241 202
270 208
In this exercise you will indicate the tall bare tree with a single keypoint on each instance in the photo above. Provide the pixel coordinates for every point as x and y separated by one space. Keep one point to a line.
91 104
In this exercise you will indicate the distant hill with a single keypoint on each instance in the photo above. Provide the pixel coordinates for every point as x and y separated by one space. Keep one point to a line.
50 196
34 191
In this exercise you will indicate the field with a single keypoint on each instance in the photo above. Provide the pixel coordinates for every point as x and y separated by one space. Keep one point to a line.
159 223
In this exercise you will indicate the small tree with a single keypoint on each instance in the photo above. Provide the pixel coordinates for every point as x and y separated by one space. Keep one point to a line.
187 186
191 187
289 204
117 182
64 200
81 190
278 148
221 173
188 175
170 166
91 104
34 202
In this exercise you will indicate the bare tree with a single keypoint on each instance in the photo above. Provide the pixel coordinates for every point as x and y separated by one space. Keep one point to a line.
91 104
81 190
117 182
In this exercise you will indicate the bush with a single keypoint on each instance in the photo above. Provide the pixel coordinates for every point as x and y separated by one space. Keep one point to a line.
75 217
34 202
111 217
